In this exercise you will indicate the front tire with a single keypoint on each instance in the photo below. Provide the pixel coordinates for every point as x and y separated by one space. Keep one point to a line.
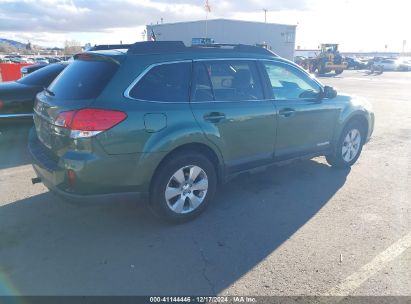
321 70
349 146
183 187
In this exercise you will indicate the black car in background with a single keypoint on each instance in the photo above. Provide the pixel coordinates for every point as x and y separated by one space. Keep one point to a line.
31 68
355 64
17 97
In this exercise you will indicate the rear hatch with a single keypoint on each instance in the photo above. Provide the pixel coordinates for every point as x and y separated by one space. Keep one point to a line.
76 88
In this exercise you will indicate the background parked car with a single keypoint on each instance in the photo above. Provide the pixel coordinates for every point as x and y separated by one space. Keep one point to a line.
17 59
53 59
404 64
387 64
299 60
355 63
17 97
367 62
31 68
41 60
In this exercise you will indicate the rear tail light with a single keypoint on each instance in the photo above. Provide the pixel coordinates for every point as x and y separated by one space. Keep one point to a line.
71 176
64 119
89 122
1 104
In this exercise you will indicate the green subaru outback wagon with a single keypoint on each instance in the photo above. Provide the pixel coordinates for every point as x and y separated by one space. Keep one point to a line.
169 123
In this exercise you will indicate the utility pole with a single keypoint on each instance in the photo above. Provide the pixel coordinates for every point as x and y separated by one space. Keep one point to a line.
265 15
207 8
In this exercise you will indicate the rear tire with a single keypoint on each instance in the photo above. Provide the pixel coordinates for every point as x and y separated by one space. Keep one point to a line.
349 146
320 70
183 187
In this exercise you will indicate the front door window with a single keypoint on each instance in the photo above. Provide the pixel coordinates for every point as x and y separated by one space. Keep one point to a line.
287 83
225 80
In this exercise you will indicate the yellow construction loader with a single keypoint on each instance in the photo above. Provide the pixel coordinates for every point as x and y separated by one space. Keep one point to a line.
329 59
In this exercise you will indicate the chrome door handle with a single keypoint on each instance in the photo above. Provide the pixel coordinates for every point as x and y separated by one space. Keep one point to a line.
214 116
288 112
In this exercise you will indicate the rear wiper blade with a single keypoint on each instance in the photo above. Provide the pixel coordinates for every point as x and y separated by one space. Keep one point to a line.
51 93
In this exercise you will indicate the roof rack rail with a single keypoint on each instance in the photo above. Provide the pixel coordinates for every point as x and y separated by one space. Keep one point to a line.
103 47
220 45
156 47
161 47
238 47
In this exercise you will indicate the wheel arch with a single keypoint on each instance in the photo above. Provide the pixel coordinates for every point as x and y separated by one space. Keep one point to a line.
358 117
201 148
332 158
361 119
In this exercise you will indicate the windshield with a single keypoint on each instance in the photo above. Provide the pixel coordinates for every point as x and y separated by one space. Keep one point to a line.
43 76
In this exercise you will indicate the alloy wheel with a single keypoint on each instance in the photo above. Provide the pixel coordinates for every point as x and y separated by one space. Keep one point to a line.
351 145
186 189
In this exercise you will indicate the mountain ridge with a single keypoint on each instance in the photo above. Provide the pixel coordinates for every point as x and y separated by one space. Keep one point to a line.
13 43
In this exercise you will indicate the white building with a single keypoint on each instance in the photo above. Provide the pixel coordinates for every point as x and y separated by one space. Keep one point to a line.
280 38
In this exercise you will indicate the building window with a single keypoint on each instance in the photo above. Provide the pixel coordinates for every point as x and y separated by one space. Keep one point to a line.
288 37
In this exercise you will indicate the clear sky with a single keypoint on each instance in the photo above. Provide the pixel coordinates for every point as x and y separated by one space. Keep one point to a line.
358 25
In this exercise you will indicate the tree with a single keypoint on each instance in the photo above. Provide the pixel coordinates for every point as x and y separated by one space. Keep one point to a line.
72 47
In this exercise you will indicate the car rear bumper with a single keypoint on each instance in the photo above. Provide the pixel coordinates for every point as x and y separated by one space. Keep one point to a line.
88 198
52 172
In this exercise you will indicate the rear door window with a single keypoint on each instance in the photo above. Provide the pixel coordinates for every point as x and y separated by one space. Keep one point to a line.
202 89
83 79
226 80
167 82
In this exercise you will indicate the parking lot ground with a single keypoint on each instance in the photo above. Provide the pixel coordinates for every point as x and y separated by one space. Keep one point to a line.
300 229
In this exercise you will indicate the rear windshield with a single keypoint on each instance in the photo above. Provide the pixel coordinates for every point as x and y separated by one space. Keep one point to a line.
43 76
83 79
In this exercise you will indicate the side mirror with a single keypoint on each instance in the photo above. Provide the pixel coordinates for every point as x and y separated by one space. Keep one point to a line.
329 92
